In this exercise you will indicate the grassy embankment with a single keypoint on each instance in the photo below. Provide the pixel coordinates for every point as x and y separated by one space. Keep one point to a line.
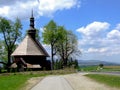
15 81
110 80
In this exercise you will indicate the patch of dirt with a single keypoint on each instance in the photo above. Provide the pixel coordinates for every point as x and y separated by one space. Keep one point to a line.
32 82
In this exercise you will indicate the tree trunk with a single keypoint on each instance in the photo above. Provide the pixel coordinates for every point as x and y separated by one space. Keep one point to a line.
65 62
9 60
52 67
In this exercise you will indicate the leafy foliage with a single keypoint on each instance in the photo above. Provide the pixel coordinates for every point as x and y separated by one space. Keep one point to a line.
3 52
58 64
50 37
101 65
49 33
63 42
66 45
11 33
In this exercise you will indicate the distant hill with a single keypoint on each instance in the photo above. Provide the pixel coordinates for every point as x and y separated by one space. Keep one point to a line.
95 62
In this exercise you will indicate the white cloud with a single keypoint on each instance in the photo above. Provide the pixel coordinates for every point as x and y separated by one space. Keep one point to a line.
114 34
94 29
22 8
97 38
4 10
51 6
97 50
117 27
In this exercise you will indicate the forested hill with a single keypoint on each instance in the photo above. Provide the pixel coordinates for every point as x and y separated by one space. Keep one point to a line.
95 62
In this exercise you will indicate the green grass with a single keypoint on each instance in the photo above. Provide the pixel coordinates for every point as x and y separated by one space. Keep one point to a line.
89 68
15 81
12 82
110 80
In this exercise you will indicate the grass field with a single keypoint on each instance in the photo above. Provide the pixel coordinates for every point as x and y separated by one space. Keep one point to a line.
110 80
88 68
15 81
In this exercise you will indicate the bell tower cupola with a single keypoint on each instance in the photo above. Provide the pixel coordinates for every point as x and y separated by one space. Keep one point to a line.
32 30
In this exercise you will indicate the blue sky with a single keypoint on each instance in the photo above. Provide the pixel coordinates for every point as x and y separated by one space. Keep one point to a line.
95 22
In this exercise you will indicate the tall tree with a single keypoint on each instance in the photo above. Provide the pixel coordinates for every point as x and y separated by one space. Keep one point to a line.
66 45
50 37
62 41
11 33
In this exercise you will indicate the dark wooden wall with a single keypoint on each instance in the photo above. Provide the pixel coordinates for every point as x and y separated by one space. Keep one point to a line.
41 60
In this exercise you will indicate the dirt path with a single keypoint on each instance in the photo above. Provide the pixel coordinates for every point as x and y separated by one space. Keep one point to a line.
69 82
80 82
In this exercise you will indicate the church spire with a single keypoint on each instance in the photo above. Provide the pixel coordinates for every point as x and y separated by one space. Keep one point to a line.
32 20
32 31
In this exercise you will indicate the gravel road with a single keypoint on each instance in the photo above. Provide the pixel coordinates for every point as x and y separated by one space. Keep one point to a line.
53 83
70 82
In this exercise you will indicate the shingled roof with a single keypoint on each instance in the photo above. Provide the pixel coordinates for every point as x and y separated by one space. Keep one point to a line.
30 47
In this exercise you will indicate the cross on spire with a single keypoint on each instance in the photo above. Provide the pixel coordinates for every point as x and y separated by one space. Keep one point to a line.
32 13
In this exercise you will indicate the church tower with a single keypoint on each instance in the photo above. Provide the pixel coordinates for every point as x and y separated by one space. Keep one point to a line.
32 30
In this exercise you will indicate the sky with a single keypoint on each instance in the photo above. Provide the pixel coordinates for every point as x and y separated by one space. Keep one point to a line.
95 22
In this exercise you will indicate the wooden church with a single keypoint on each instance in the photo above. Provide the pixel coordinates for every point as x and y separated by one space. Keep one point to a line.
30 53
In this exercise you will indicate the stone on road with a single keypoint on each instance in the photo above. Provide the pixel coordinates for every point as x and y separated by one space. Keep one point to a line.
53 83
